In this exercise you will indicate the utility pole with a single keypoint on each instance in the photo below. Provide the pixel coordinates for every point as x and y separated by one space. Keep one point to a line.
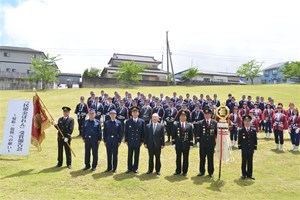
168 71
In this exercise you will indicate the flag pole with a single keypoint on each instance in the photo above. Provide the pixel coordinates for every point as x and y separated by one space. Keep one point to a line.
59 130
221 152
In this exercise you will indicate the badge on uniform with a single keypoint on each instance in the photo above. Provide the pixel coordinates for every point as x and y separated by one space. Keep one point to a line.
129 126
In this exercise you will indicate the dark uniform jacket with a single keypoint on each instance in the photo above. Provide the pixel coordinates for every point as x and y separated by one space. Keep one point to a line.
182 139
134 132
247 141
66 127
207 136
112 131
156 139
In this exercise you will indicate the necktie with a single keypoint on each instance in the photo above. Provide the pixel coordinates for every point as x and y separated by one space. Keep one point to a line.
154 128
207 123
182 126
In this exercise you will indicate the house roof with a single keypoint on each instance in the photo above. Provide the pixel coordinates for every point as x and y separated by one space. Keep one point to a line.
70 74
24 49
147 70
211 73
129 57
275 66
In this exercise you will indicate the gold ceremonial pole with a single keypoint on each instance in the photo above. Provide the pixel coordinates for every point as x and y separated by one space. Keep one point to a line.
62 135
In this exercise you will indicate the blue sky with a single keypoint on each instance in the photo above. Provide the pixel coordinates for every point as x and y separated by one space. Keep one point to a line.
213 35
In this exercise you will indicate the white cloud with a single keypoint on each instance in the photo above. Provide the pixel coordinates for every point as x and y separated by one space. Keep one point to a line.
218 35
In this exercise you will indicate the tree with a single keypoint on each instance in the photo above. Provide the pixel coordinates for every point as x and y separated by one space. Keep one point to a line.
44 70
250 70
191 73
129 72
93 72
291 70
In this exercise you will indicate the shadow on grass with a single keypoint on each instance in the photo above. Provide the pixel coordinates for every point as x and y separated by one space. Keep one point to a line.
277 151
20 173
200 180
10 159
123 176
147 177
216 185
244 182
176 178
294 152
51 170
102 175
80 173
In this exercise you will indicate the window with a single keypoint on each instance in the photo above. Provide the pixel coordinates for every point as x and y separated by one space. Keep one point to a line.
8 70
266 73
13 70
6 54
28 71
274 71
34 56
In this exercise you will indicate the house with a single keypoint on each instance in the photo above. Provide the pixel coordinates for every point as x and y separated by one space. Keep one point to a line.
15 61
151 73
206 76
69 79
272 75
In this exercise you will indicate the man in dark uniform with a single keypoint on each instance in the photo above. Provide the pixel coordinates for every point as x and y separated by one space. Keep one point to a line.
247 142
81 111
134 137
207 142
122 114
66 126
107 108
159 110
112 139
154 142
182 141
92 136
91 99
170 114
197 115
146 112
98 108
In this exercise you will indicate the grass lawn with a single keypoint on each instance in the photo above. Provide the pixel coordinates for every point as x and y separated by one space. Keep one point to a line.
34 177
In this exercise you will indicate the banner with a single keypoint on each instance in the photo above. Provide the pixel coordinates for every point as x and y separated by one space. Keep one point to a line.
40 123
17 130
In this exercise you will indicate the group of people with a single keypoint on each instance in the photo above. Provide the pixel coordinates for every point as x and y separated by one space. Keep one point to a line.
187 121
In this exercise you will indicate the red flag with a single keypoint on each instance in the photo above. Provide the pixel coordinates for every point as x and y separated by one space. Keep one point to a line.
40 123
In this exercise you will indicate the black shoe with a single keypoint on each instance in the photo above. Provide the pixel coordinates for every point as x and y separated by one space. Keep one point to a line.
86 168
200 174
108 170
211 176
184 174
128 171
243 177
251 177
69 166
176 173
148 172
158 173
58 166
114 171
135 171
93 169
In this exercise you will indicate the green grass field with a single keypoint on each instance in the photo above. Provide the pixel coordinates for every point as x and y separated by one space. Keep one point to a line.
34 177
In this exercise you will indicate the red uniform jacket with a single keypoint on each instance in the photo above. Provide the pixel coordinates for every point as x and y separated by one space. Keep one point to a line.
294 122
258 114
268 116
244 112
280 124
254 123
233 125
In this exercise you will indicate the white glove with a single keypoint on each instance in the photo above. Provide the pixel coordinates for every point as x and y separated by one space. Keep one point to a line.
265 121
165 123
198 144
66 140
54 123
297 130
174 146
